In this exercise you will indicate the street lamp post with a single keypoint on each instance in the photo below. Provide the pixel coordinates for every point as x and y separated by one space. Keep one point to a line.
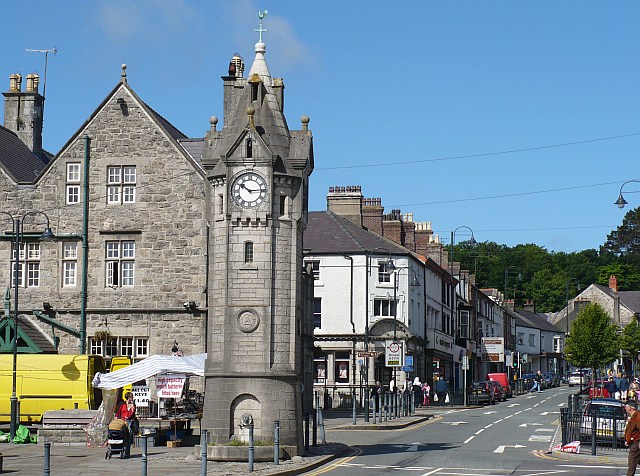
17 233
621 202
389 268
454 317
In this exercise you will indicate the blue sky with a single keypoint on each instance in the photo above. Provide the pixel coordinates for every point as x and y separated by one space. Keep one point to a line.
459 112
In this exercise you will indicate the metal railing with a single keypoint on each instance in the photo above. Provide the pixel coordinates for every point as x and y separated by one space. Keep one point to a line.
593 429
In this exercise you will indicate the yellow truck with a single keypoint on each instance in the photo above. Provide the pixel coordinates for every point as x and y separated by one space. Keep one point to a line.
117 363
49 382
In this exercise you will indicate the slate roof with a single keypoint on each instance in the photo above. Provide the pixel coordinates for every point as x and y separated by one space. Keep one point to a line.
631 299
37 336
329 233
531 319
22 165
193 147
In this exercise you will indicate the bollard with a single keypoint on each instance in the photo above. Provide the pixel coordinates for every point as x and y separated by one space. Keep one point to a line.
353 405
306 431
276 443
386 407
315 423
322 434
251 446
47 459
593 432
203 452
374 412
144 455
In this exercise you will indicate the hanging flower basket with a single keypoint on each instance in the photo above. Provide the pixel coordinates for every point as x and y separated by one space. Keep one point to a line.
102 335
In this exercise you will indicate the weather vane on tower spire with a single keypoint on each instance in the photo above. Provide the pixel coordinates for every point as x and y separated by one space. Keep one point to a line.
261 15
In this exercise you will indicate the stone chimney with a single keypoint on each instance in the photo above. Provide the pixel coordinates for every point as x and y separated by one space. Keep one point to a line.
23 111
392 227
233 85
346 202
613 284
529 305
372 211
509 304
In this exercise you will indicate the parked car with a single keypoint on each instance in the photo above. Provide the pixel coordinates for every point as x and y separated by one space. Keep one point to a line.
551 379
480 393
504 381
597 391
576 378
529 378
608 411
499 391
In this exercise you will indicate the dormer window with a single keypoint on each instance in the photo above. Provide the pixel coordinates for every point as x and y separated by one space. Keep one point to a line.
249 145
254 91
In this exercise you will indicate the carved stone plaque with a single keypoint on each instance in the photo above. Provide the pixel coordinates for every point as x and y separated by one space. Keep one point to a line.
248 321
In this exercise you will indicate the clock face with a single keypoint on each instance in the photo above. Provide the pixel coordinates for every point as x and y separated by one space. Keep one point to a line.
249 190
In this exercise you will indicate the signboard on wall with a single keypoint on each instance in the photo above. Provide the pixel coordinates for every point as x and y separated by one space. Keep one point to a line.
393 353
492 349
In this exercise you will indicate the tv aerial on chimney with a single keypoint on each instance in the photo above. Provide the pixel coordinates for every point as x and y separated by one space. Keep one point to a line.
53 50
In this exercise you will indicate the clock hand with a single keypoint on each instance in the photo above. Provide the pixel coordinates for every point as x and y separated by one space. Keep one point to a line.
247 188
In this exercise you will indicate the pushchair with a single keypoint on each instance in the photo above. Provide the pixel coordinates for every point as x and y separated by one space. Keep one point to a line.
117 443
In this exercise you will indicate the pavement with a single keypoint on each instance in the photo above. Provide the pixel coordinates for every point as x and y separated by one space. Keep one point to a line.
161 460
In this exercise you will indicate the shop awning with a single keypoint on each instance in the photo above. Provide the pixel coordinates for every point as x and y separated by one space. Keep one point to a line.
154 365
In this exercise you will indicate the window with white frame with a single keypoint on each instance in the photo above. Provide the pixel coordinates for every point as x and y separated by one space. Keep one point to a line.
384 308
69 263
134 347
384 274
121 184
73 183
120 263
29 266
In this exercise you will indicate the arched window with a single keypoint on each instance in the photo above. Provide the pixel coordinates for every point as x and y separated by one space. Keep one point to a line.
248 252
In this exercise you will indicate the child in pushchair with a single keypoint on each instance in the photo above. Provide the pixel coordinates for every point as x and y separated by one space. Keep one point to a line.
118 439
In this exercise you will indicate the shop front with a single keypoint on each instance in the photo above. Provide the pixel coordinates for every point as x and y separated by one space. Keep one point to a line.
439 358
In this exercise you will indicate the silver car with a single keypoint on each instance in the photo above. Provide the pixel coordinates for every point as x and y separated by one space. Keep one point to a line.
607 411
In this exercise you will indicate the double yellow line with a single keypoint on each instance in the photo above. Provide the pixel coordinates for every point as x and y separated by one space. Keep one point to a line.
355 452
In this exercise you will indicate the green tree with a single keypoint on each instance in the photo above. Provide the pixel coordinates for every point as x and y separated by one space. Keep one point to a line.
630 339
593 341
626 239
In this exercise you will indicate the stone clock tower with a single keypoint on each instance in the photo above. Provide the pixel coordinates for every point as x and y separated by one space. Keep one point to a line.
258 170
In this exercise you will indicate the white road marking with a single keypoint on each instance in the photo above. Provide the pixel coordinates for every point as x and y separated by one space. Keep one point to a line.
500 449
489 413
431 472
468 439
513 405
454 423
479 431
546 429
524 425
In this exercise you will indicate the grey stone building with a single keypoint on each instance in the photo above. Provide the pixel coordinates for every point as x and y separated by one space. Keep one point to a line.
147 228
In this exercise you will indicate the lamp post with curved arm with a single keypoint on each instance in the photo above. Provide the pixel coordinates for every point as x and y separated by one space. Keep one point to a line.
389 268
17 234
621 202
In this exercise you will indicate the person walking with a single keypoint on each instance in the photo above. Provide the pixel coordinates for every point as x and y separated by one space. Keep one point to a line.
426 392
441 390
537 382
632 437
624 387
611 387
417 392
376 394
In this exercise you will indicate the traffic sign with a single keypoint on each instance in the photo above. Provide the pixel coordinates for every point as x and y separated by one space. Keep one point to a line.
367 354
407 368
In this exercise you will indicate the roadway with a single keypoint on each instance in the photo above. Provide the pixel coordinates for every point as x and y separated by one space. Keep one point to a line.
510 438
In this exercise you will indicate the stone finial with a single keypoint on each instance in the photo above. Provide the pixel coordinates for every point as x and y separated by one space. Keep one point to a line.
305 122
123 75
251 112
213 120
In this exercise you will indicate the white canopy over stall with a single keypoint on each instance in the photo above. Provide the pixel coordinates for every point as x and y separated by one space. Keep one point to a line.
149 367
